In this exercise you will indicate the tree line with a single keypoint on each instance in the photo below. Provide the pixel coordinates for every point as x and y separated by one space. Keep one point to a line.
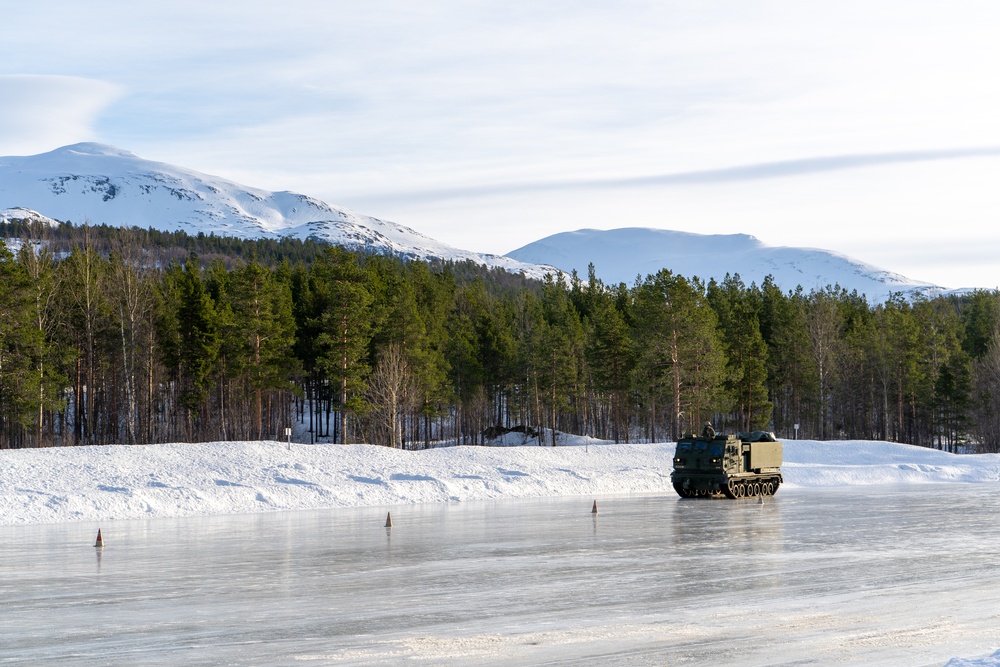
132 336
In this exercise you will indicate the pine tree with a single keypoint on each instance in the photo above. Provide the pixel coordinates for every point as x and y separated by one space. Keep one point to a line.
50 354
559 352
397 335
191 347
986 408
939 333
343 307
19 341
737 309
611 352
980 313
463 355
825 326
435 294
258 338
682 360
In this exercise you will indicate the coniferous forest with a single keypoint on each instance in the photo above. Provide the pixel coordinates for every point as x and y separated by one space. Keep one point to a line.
129 336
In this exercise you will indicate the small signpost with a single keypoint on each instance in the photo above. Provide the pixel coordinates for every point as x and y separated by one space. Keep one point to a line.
796 431
288 436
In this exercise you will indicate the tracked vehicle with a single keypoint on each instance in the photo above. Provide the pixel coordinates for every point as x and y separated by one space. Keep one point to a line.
734 466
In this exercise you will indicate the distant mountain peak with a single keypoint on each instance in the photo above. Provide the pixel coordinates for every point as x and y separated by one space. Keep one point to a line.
622 255
93 148
25 214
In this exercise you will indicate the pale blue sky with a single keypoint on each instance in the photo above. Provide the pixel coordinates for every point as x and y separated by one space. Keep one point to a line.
868 128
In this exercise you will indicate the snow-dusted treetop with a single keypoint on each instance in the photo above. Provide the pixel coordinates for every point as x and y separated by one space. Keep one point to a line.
103 184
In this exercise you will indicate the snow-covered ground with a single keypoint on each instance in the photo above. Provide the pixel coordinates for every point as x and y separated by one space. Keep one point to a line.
120 482
101 484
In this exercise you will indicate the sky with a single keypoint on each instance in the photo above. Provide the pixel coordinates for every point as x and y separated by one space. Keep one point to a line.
863 127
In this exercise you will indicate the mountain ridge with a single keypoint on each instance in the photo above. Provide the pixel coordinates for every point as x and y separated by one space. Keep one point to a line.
110 185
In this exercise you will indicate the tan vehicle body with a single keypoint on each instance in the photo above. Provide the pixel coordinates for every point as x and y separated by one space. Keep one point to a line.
735 466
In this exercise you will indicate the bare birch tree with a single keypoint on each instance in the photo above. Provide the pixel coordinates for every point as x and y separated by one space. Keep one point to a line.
389 393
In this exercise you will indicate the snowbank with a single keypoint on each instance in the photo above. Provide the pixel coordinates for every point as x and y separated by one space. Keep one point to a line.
989 661
119 482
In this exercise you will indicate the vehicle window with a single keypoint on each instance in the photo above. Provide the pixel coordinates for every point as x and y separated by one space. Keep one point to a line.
715 450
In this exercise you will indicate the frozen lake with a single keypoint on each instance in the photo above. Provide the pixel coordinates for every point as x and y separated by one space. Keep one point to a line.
856 576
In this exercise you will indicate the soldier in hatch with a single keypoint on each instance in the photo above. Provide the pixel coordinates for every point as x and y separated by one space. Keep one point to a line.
708 431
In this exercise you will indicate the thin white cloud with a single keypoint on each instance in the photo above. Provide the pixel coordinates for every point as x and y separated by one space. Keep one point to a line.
747 172
42 112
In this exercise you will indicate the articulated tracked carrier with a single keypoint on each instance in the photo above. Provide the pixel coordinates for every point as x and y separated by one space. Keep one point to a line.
735 466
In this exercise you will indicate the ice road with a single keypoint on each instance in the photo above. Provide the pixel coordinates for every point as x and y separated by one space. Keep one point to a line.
902 575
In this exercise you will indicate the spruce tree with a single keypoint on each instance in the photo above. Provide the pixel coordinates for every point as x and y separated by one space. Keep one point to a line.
197 336
611 354
682 360
19 342
737 308
343 311
258 337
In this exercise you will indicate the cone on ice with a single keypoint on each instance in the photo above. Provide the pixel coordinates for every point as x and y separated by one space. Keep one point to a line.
388 519
594 511
100 540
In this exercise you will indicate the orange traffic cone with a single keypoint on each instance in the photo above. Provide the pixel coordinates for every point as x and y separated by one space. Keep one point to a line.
100 540
594 511
388 520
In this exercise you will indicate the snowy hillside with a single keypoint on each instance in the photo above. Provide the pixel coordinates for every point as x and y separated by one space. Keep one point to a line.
103 184
619 255
115 482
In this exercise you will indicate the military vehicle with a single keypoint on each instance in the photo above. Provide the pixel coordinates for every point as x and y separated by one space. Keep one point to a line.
735 466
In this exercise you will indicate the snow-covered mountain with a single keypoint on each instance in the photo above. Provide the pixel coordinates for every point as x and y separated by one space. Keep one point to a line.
103 184
619 255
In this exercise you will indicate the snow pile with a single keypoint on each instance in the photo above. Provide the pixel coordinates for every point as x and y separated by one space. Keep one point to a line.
990 661
120 482
857 462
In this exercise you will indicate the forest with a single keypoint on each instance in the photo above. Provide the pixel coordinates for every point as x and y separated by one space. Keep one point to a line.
130 336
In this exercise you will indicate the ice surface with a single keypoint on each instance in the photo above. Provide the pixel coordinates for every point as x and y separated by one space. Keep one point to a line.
876 575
